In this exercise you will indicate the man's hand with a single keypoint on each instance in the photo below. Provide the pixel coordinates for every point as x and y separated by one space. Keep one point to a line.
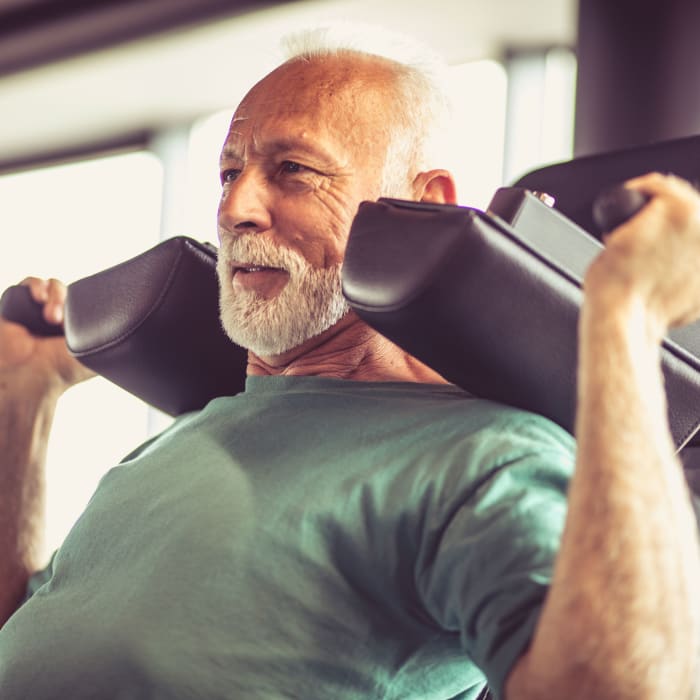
622 617
34 372
39 364
654 258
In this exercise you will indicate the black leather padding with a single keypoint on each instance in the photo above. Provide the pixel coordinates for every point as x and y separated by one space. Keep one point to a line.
489 310
575 184
151 325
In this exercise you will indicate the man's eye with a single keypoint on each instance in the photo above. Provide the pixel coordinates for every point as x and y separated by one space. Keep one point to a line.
229 175
290 166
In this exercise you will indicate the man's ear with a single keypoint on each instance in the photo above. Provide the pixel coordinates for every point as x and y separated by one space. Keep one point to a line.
436 186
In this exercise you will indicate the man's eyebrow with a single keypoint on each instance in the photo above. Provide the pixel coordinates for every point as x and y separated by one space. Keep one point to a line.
281 146
228 153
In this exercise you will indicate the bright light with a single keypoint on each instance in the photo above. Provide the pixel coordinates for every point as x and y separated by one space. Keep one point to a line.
68 222
203 185
478 93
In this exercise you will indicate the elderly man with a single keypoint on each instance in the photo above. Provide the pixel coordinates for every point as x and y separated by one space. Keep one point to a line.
351 526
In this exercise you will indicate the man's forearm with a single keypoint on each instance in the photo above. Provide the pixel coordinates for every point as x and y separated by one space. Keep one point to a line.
24 429
621 617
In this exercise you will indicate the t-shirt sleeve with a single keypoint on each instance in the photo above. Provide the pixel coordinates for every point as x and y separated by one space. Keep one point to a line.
38 579
486 571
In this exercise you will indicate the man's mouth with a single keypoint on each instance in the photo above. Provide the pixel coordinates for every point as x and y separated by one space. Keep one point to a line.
264 280
255 268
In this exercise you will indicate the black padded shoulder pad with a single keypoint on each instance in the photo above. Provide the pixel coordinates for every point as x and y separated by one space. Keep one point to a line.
151 325
490 307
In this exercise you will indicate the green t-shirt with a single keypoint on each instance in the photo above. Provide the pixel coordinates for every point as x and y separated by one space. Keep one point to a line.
309 539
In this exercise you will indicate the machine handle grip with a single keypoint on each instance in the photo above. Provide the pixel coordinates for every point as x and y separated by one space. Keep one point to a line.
616 205
18 305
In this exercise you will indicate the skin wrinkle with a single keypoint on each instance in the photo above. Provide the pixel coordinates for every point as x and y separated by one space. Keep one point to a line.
345 358
368 95
332 197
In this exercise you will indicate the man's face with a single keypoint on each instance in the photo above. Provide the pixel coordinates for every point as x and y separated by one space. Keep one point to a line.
305 147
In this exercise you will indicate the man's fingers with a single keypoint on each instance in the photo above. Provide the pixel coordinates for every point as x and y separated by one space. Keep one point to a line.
39 288
674 205
53 311
660 184
51 293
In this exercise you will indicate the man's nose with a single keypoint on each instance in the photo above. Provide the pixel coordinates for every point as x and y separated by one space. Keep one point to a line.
244 205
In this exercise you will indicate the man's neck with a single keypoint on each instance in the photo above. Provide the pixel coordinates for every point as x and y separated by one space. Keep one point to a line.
348 350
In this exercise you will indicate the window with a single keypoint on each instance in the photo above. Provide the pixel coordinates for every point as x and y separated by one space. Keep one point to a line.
478 94
541 102
70 221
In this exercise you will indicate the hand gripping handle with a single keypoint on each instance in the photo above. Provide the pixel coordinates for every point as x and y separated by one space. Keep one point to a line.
616 205
18 305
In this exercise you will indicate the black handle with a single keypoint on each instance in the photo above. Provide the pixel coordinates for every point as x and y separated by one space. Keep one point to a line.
18 305
616 205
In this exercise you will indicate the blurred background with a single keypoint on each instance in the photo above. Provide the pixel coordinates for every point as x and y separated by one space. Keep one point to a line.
112 114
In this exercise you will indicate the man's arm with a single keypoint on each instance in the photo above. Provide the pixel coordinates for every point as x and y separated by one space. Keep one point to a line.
621 618
33 374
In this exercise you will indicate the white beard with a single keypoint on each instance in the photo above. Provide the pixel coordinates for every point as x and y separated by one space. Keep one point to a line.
310 303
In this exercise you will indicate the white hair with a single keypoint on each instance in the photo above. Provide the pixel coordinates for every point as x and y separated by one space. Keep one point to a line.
422 107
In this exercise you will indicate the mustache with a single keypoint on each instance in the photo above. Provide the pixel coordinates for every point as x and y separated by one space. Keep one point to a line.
255 250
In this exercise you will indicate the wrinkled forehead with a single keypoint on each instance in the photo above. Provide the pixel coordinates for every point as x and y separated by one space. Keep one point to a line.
319 80
334 97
